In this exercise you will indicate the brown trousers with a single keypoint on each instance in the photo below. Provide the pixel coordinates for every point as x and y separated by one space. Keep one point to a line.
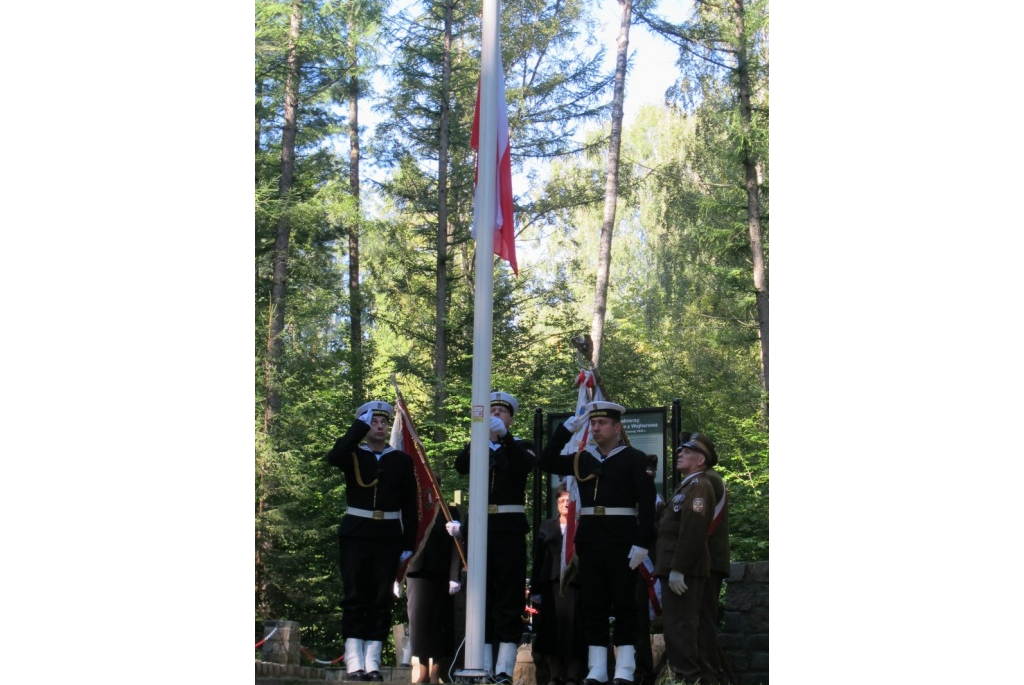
681 616
710 662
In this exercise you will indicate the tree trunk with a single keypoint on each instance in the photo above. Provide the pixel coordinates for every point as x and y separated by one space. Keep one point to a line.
443 238
611 187
277 294
355 297
753 204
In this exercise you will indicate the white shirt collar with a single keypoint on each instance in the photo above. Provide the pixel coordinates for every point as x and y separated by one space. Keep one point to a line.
593 450
387 448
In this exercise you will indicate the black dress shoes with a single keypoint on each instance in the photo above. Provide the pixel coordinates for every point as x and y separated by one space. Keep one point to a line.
375 676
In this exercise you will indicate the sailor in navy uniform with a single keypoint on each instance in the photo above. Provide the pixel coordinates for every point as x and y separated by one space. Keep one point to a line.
682 560
376 534
511 462
615 532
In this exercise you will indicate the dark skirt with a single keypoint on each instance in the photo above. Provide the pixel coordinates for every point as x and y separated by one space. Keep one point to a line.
559 622
431 618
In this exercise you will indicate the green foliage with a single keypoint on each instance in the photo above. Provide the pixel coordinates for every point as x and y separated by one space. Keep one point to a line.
299 575
745 470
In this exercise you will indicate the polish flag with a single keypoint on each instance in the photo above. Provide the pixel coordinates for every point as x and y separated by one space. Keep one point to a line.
504 234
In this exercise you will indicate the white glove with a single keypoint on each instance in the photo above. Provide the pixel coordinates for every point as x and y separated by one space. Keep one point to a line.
397 589
498 427
675 582
574 423
636 556
405 555
453 587
367 417
454 529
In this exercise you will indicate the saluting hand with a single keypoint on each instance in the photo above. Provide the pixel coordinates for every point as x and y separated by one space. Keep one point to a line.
574 423
497 427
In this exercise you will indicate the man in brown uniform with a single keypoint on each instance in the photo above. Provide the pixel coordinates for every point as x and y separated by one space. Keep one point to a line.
718 548
682 560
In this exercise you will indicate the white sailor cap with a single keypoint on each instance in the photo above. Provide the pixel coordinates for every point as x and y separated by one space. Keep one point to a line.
378 408
601 408
503 399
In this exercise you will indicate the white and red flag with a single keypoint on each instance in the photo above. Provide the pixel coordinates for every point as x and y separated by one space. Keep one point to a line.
589 391
504 230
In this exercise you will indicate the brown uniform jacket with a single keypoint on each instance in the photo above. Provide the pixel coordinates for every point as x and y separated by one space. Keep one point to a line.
718 541
683 529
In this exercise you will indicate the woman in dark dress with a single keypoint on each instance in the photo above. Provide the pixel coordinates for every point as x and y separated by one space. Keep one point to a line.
559 636
432 581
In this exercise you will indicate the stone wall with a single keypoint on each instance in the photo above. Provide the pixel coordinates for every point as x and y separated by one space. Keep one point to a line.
744 637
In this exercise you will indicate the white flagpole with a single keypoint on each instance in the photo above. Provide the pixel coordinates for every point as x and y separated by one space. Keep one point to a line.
477 664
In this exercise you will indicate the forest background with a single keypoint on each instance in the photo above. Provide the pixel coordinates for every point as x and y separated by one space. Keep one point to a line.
650 237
